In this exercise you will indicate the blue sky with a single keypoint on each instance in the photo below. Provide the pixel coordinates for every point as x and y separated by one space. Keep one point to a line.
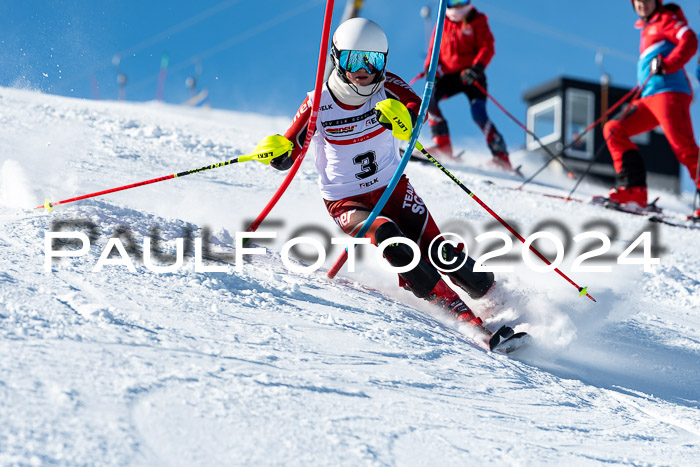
261 56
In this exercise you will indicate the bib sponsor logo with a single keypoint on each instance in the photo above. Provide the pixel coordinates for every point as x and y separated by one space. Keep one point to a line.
370 183
340 131
348 120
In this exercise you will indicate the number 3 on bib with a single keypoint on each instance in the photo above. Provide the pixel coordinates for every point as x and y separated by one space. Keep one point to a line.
367 163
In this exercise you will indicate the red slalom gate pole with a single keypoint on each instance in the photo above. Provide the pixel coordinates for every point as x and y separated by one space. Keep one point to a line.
325 35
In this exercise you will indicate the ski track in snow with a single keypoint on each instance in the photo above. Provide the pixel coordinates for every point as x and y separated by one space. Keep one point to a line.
266 366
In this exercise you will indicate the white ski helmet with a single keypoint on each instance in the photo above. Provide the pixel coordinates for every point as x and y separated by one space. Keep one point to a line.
359 34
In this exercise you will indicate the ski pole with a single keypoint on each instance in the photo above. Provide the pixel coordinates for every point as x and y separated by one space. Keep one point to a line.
531 133
582 290
416 78
261 154
605 142
311 128
579 137
697 186
389 189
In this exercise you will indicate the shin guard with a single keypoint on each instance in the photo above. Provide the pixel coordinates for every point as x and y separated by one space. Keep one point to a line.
476 284
420 280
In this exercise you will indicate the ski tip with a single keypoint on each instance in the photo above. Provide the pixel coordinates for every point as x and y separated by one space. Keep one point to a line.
499 337
517 341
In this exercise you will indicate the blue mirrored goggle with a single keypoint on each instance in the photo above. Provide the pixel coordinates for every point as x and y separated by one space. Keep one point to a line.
355 60
455 3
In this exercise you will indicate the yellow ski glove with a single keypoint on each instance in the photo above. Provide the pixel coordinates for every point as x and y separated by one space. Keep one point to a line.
392 114
269 149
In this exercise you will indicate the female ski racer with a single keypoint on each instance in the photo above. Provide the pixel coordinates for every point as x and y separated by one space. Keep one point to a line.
667 44
357 155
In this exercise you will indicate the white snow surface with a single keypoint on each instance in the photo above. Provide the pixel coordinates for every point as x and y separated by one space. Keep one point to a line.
264 366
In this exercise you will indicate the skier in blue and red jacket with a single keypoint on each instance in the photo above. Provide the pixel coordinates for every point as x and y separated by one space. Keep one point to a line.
467 49
667 44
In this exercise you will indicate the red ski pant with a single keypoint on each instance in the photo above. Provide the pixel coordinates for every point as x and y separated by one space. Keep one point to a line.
404 207
670 110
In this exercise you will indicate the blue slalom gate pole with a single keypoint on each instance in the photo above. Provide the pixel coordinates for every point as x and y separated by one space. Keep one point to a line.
427 93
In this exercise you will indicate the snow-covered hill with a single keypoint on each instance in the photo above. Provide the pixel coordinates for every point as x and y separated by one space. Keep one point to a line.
265 366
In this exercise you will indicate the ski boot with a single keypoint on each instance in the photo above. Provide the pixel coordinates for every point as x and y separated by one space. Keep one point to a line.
442 148
628 196
695 217
447 299
504 340
502 161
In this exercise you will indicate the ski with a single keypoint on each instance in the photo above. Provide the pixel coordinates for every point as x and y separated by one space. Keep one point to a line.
518 341
505 340
651 209
538 193
653 213
689 224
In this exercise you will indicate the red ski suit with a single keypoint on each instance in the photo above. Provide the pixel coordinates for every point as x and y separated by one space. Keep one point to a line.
665 99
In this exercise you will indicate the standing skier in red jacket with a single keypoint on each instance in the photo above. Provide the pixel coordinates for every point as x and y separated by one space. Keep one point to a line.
666 45
466 50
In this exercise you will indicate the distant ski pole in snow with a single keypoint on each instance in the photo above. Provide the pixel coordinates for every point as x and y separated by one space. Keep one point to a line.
529 132
165 59
582 134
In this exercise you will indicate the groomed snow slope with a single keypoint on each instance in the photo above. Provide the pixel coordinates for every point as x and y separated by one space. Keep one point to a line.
265 366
